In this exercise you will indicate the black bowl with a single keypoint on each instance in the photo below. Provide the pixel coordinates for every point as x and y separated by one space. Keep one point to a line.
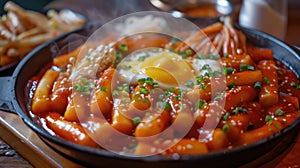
87 156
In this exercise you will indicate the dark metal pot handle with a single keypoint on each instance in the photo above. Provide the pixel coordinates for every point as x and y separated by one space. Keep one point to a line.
5 95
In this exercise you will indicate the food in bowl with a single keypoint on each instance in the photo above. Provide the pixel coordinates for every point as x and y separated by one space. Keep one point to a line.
151 94
22 30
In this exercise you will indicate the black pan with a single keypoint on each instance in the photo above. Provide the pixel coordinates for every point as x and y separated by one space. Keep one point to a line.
13 98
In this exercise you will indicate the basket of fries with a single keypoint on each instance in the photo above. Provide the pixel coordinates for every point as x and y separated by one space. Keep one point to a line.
22 30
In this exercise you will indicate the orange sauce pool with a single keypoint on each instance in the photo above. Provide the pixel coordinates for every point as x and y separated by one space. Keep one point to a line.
206 10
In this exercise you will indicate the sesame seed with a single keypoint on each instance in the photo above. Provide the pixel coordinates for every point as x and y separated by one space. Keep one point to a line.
152 150
189 146
179 147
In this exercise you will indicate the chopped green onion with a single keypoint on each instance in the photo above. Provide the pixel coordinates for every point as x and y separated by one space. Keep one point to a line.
142 58
200 104
226 128
102 88
206 67
200 79
232 85
295 85
123 47
137 97
119 55
132 146
227 70
125 99
268 119
124 67
172 89
182 53
177 97
257 86
141 81
167 93
226 116
155 85
143 91
115 93
144 100
167 106
216 73
149 81
202 86
172 50
200 56
279 112
245 67
226 55
214 57
136 120
188 52
218 96
84 80
266 80
77 87
251 68
237 110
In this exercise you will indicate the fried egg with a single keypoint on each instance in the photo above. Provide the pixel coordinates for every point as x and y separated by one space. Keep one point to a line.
167 68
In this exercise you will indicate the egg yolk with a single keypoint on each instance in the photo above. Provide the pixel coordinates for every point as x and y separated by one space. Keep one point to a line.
168 68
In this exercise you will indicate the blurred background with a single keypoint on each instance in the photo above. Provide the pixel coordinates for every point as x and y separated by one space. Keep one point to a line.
101 9
36 5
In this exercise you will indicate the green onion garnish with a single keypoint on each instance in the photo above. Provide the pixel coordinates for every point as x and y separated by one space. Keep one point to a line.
295 85
266 80
200 104
245 67
123 47
268 119
226 116
226 128
136 120
232 85
167 106
257 86
102 88
279 112
237 110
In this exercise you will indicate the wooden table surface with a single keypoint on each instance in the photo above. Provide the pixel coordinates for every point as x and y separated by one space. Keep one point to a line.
290 158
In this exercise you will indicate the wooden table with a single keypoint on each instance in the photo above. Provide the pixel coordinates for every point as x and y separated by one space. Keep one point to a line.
10 158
